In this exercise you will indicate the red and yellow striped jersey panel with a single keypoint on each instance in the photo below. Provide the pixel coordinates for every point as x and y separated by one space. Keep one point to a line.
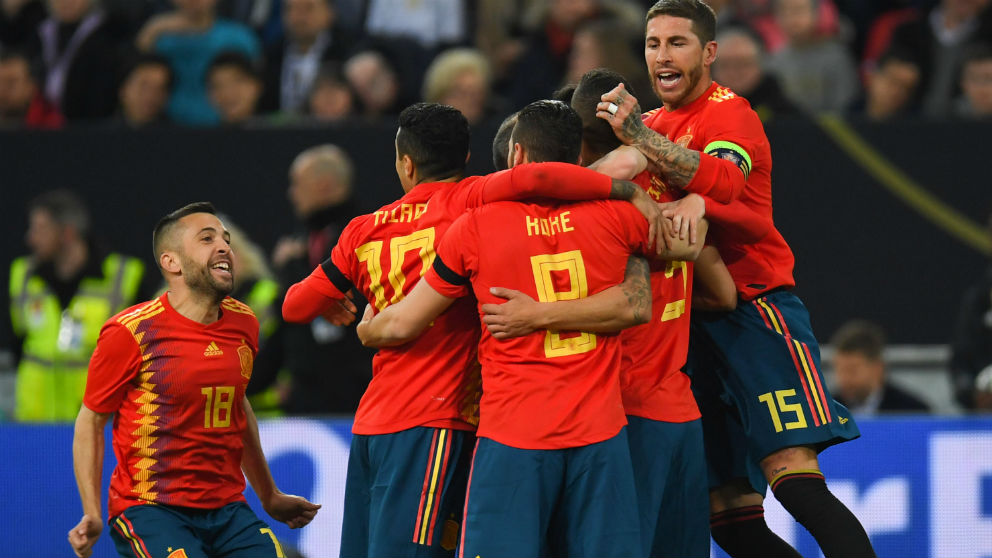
176 387
236 306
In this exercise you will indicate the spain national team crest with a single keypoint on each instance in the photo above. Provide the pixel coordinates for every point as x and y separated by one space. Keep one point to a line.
247 359
685 138
178 553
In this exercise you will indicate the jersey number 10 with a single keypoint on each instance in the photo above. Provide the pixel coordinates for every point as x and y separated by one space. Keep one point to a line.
371 252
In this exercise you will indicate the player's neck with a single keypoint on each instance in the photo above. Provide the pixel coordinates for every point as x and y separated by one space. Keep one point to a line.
193 305
701 88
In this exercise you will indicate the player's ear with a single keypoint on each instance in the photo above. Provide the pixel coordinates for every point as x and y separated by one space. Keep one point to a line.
169 262
409 167
709 53
518 156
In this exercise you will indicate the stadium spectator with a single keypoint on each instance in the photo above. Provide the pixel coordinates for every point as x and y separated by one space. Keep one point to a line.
190 38
19 20
860 375
816 71
59 297
432 24
608 44
81 59
331 98
234 88
144 92
891 87
971 344
976 83
321 193
740 65
312 38
983 390
21 103
461 78
375 83
938 42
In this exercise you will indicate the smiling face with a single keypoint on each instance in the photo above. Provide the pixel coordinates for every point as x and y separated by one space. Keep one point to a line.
679 64
205 257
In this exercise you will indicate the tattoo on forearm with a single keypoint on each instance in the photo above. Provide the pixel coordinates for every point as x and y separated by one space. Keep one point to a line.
677 164
637 287
622 190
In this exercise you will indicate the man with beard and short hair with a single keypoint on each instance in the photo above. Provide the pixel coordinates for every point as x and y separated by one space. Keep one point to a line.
173 372
763 356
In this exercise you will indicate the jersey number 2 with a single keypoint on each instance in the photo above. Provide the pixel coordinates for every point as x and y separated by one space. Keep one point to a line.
571 264
370 253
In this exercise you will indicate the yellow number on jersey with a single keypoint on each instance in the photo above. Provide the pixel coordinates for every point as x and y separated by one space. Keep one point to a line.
674 310
571 263
220 400
783 407
370 253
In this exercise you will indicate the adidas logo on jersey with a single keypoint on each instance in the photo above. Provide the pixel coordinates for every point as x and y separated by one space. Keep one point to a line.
213 350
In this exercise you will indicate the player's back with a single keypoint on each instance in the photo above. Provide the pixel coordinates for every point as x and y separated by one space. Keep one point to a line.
550 389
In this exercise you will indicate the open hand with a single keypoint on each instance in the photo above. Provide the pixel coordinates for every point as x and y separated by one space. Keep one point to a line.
513 318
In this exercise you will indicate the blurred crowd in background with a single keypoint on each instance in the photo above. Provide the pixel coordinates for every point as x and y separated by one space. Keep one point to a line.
140 63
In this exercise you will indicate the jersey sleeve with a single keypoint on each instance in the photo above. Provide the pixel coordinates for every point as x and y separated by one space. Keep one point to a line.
114 364
733 134
560 181
738 220
325 285
456 258
633 226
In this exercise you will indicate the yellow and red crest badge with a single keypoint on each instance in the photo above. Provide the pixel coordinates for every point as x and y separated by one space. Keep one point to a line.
247 359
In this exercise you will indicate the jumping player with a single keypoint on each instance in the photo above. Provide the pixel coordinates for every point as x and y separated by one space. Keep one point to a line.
173 372
705 139
414 429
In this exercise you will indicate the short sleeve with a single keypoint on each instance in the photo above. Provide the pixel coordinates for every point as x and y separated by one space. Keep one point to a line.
456 259
633 225
113 366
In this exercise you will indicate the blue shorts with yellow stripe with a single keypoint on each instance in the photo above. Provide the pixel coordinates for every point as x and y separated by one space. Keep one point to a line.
405 492
758 382
154 530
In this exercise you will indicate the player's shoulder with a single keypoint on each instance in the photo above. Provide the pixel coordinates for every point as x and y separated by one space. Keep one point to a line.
237 308
131 317
722 100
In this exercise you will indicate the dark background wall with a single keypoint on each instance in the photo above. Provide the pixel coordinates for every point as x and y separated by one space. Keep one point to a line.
860 251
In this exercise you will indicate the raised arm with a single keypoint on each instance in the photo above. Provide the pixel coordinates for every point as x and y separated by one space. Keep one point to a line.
294 511
87 464
624 162
621 306
402 322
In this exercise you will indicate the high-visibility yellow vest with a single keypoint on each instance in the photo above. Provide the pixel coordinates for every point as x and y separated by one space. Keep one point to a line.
58 342
262 299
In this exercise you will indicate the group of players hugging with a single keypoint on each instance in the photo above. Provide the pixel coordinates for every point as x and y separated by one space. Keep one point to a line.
600 360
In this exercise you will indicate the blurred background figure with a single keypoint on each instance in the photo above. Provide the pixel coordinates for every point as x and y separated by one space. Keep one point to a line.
375 83
432 24
860 375
891 87
329 367
22 104
983 391
60 295
19 21
144 92
312 38
331 98
816 71
460 77
190 38
740 66
234 88
976 83
971 344
608 44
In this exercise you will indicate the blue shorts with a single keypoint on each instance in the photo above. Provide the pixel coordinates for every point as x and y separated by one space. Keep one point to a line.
756 372
670 477
405 492
571 502
154 530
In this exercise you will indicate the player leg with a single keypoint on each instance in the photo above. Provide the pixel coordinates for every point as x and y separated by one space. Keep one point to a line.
357 499
775 382
417 491
511 496
599 502
239 533
146 531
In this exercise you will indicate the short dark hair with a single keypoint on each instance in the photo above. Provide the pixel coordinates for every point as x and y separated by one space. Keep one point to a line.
149 59
550 131
564 93
236 60
597 134
65 208
860 337
165 225
501 143
702 16
436 139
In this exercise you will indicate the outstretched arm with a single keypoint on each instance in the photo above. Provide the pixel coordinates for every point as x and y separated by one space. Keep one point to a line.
621 306
87 464
294 511
403 321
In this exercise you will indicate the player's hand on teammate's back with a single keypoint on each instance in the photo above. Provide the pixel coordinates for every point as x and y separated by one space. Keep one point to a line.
83 536
362 327
685 215
656 221
294 511
516 317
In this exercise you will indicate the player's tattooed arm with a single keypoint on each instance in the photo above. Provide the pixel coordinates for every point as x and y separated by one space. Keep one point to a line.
626 190
625 305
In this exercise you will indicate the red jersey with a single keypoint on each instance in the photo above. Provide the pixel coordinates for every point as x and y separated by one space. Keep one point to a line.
727 133
549 389
651 378
434 379
176 387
